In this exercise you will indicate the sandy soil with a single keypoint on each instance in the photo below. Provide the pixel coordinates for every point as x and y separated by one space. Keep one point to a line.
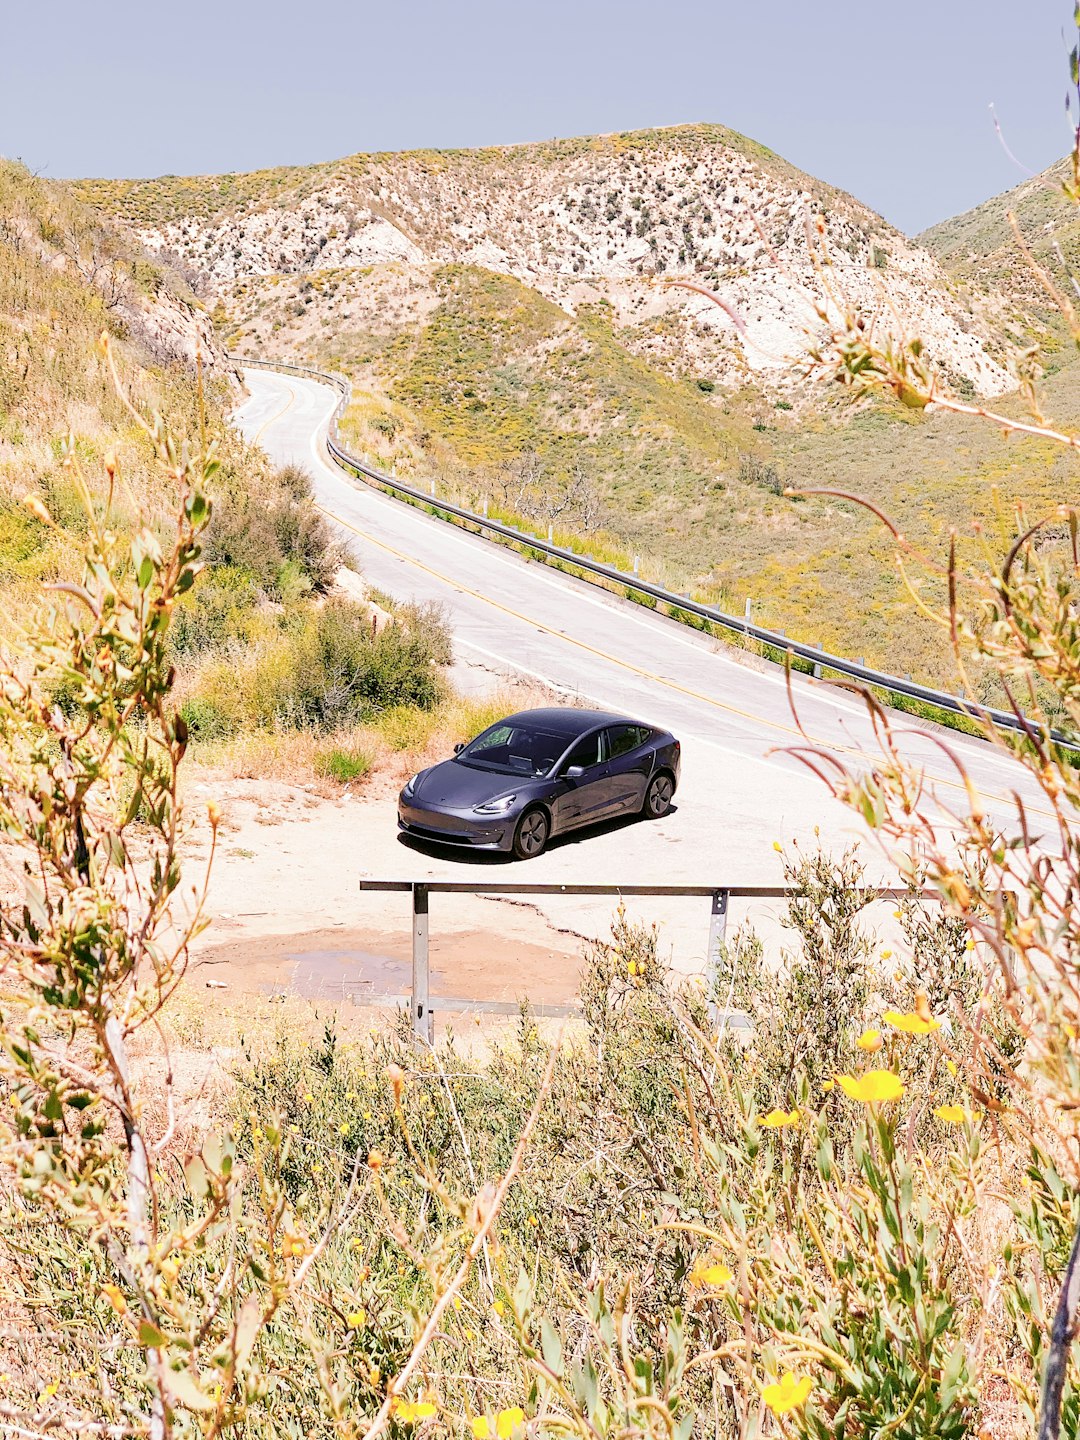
289 917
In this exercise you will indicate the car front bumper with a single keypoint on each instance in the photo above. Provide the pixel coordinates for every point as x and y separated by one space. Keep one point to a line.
456 827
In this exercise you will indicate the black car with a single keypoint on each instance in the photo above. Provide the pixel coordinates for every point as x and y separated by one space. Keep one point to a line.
538 774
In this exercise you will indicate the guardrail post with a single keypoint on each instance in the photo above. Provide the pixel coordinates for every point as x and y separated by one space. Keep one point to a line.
485 507
817 667
717 934
422 1017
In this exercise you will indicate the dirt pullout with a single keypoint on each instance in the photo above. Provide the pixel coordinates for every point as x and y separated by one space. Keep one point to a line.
366 966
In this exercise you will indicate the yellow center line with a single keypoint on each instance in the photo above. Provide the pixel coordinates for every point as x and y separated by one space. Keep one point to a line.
754 719
267 423
559 634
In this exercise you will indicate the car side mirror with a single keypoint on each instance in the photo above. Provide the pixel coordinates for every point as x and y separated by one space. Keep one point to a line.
573 772
459 747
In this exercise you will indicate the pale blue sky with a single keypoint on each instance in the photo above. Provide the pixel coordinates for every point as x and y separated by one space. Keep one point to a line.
887 100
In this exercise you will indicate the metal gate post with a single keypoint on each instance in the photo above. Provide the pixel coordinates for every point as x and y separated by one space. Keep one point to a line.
422 1018
717 935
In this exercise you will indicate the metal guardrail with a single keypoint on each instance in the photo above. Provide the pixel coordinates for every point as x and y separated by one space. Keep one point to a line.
738 625
720 897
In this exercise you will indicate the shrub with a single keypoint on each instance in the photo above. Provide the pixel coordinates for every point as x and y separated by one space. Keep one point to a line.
405 727
755 471
343 763
258 530
215 613
324 670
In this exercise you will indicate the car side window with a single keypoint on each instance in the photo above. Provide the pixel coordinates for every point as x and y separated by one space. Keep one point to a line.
586 752
624 738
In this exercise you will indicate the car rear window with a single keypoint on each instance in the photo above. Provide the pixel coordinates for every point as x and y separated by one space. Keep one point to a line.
624 738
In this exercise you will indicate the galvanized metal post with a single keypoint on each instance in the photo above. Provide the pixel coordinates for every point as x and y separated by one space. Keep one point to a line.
717 935
637 562
422 1017
817 668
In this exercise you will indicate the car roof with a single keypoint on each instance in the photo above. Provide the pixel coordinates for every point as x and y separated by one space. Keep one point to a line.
563 720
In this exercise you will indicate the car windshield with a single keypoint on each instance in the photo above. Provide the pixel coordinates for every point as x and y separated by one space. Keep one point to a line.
515 749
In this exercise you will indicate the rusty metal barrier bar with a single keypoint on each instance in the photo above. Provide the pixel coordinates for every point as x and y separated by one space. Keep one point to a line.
720 897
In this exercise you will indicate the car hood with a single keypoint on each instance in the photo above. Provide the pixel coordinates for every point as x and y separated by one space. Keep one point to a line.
462 786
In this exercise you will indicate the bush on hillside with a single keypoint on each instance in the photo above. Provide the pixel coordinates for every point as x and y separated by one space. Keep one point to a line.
259 531
322 668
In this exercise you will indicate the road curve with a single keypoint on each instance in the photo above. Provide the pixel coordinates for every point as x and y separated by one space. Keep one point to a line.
741 791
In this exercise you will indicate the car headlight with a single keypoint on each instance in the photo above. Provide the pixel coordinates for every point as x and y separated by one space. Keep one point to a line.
410 785
496 807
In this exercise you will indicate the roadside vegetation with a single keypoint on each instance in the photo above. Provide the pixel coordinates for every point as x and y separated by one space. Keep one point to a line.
266 644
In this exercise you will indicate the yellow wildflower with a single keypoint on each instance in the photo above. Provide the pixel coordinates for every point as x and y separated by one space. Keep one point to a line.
870 1040
873 1088
912 1023
409 1411
950 1066
789 1393
715 1274
954 1114
481 1427
356 1319
777 1119
531 1220
115 1298
499 1307
343 1129
508 1420
309 1098
778 847
51 1389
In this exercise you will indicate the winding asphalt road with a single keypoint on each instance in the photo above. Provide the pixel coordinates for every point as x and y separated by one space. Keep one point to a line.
740 791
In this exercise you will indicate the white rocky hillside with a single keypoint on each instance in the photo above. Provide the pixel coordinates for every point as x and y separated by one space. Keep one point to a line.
609 218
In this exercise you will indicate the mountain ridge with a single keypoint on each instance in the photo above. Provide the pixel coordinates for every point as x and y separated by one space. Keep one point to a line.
581 219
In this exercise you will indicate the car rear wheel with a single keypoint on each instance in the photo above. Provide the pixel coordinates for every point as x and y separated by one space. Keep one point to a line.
531 834
658 796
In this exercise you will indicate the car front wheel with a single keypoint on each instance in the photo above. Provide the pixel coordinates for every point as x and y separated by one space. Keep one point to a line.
658 796
531 834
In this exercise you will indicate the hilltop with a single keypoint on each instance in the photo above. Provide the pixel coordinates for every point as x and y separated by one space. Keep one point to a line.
598 219
980 251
